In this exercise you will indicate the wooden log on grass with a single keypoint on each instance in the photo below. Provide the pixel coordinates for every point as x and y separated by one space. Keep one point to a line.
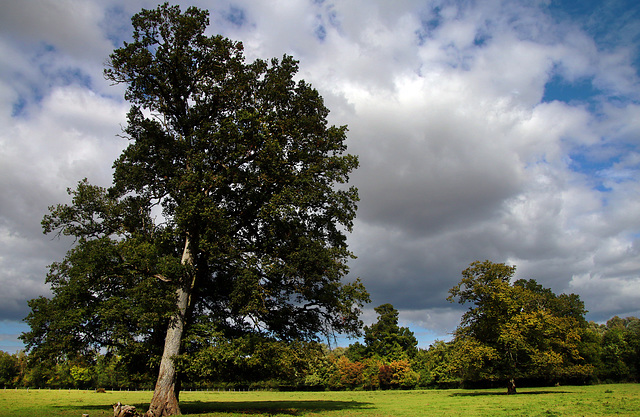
120 410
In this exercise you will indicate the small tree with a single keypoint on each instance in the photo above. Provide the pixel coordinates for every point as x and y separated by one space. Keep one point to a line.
350 373
437 366
403 376
9 369
80 375
370 373
248 176
620 349
385 339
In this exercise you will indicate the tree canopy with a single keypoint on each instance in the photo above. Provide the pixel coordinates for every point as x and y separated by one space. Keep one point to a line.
228 209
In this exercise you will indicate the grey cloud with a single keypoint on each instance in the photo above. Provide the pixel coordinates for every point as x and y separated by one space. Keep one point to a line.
71 26
72 135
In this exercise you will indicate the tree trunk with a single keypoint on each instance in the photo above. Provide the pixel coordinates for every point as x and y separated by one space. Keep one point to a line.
511 386
166 392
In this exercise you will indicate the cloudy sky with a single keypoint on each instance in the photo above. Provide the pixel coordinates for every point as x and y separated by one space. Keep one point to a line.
500 130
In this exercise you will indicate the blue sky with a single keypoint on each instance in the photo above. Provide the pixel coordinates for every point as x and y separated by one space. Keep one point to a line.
501 130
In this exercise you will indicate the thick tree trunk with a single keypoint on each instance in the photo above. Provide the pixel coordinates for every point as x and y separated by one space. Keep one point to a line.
166 393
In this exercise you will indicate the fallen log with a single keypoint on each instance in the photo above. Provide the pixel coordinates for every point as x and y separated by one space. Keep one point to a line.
120 410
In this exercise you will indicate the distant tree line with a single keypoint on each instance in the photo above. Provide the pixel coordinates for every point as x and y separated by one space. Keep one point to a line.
513 331
611 353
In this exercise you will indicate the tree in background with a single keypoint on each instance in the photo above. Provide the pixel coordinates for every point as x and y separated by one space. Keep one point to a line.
385 339
397 374
346 374
437 365
340 372
248 359
224 212
518 330
9 370
620 349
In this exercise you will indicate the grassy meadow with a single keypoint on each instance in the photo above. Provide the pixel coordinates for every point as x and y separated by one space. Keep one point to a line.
598 400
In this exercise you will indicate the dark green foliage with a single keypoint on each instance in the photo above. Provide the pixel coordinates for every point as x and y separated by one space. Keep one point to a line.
9 370
385 339
104 294
212 357
245 164
620 349
436 366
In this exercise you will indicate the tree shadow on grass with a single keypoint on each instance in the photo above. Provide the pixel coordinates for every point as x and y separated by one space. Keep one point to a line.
292 408
140 406
482 393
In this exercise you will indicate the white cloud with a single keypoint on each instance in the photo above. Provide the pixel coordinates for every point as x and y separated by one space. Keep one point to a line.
619 294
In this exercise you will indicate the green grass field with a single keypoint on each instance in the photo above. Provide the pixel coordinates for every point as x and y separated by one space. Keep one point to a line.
598 400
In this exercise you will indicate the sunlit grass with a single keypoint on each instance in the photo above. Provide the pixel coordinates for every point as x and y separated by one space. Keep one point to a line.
598 400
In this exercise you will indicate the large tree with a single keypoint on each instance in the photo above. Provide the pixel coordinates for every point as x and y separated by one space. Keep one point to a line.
228 209
516 330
